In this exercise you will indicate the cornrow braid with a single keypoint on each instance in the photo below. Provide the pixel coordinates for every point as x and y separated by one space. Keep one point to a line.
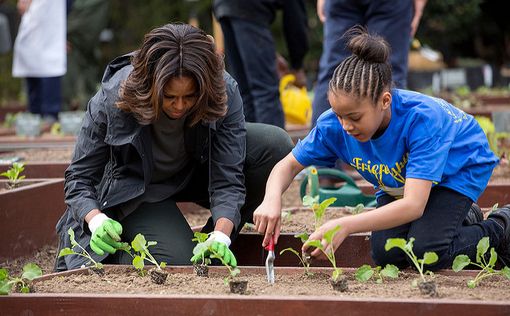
367 72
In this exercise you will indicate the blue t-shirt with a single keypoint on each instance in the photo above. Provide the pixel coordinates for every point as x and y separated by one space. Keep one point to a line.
427 138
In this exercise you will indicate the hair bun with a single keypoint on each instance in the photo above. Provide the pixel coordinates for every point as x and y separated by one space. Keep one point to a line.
367 47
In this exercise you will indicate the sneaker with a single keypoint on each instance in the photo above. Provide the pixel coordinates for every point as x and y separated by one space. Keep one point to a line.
474 215
503 215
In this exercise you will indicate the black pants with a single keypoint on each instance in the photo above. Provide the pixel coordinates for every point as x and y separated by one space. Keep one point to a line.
163 221
439 230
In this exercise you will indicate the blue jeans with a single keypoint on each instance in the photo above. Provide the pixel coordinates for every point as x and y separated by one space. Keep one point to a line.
44 96
251 60
439 230
390 19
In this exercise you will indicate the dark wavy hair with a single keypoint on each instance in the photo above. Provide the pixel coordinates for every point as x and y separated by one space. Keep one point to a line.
169 51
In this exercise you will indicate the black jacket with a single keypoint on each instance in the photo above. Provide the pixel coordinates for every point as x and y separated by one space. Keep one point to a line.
112 161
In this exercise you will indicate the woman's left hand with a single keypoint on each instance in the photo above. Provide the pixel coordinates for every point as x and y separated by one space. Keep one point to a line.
338 238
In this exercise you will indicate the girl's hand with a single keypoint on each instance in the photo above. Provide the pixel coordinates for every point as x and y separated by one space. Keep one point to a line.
319 235
267 219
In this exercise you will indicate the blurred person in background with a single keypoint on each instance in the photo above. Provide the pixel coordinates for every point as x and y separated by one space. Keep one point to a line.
40 54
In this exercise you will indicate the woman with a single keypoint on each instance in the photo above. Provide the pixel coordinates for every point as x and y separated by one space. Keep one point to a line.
429 160
166 126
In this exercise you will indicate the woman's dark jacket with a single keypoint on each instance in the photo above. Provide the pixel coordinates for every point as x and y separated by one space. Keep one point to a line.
112 161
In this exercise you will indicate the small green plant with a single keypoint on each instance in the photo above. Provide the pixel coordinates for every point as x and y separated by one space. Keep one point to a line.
83 253
461 261
21 283
407 248
10 120
355 209
201 238
14 174
366 272
304 258
319 209
212 253
141 248
330 252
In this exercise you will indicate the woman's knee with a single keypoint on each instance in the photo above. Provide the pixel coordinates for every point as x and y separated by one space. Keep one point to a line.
266 143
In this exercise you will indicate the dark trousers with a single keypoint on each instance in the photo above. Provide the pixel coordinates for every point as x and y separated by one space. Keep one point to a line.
390 19
439 230
251 59
44 96
163 221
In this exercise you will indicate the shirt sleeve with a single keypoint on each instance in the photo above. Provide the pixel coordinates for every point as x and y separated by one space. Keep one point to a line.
314 149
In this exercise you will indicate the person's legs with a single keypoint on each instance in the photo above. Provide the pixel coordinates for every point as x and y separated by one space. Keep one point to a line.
236 68
265 146
164 223
34 92
340 16
258 54
392 20
51 97
440 229
378 239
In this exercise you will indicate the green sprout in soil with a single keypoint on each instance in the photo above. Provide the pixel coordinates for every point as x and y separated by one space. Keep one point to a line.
356 209
201 239
461 261
13 174
206 247
330 252
141 248
319 209
304 258
83 253
366 272
21 283
407 248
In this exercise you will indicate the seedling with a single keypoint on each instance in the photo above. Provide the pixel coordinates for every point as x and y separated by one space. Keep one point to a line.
13 174
304 258
83 253
461 261
356 209
21 283
10 120
366 272
426 287
339 284
319 209
201 269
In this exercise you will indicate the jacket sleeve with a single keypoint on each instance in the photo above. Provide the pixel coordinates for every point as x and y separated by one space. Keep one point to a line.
295 28
228 152
90 157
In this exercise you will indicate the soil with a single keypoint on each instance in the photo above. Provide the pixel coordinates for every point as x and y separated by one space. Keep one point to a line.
41 154
125 280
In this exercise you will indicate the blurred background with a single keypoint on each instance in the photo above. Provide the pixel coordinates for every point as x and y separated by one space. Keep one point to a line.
470 35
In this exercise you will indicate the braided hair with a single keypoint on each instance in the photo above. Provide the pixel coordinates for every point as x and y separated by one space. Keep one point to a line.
367 72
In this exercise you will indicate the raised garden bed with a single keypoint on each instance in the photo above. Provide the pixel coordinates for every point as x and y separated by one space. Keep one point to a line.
28 216
120 290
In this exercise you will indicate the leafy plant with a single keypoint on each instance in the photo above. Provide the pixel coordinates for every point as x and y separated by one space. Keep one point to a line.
13 174
30 272
10 120
355 209
201 238
461 261
83 253
407 248
330 252
141 248
319 209
304 258
205 246
366 272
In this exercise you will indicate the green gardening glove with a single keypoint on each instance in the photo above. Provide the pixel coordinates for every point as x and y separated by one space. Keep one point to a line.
217 243
105 235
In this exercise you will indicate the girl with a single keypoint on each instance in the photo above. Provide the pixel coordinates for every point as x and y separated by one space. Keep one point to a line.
166 126
428 159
